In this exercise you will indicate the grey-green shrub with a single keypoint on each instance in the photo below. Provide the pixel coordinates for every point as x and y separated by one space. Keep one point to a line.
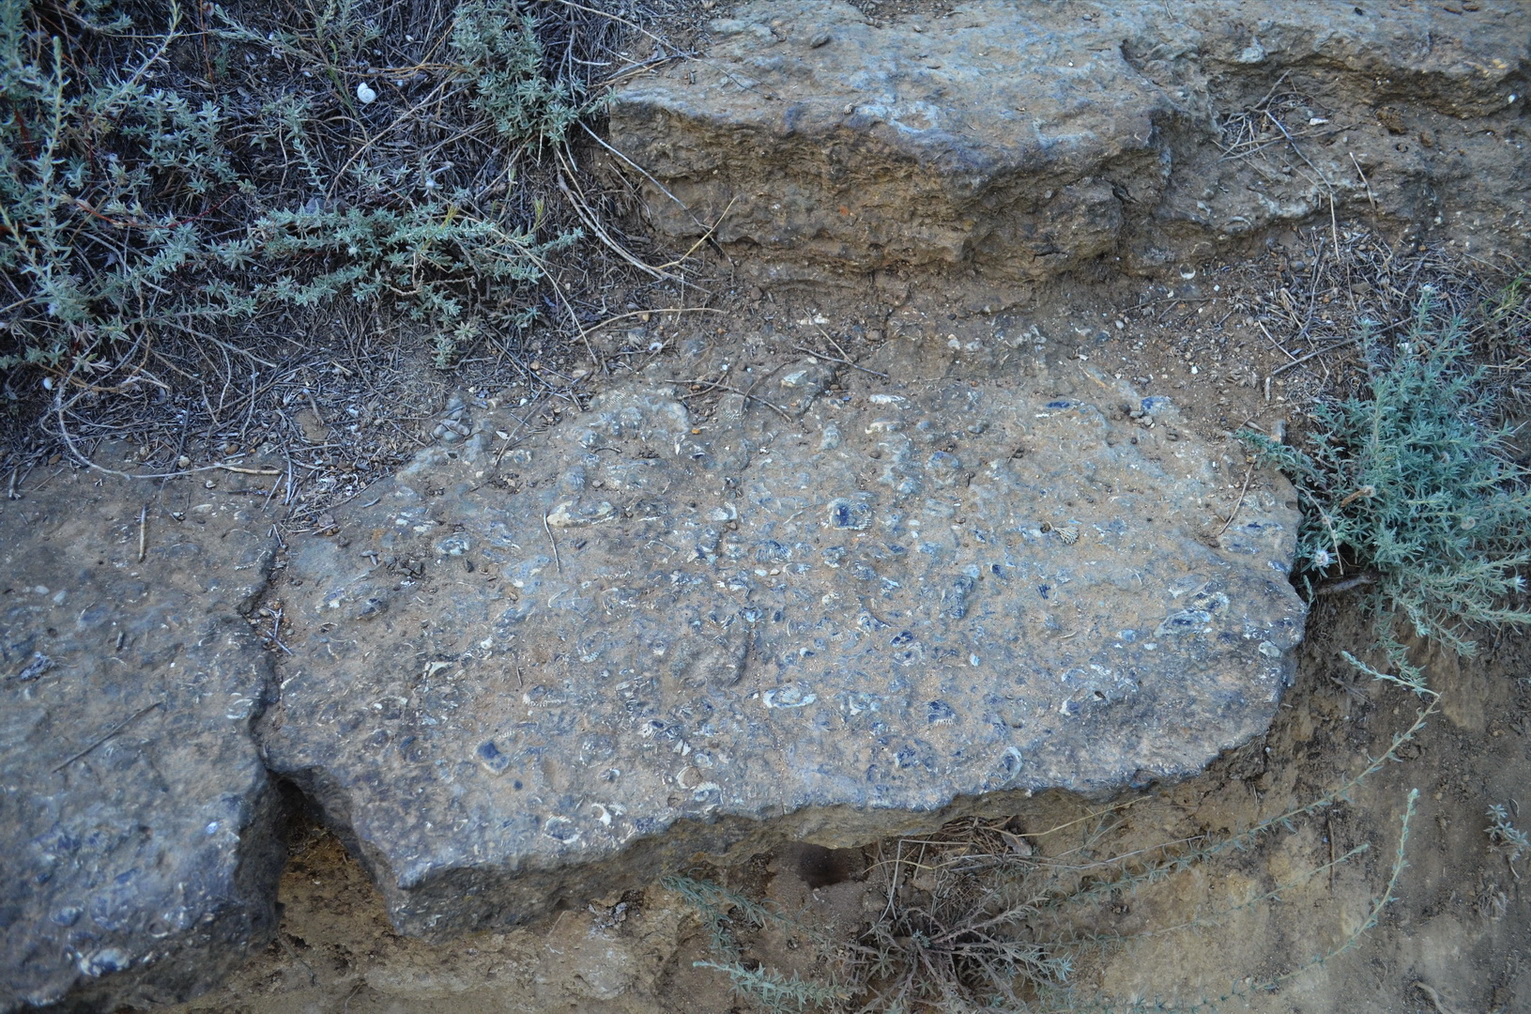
500 49
1504 837
138 201
1411 486
103 185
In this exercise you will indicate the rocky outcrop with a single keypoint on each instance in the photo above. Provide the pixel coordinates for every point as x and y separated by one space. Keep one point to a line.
830 609
1017 142
799 600
140 829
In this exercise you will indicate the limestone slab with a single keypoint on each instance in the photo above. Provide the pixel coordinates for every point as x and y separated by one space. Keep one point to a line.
139 844
829 610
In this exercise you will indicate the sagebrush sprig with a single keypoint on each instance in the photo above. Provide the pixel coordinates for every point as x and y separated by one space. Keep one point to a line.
1504 837
1412 485
499 51
136 202
104 188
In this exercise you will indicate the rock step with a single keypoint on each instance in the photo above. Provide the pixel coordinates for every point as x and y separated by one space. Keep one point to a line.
1017 142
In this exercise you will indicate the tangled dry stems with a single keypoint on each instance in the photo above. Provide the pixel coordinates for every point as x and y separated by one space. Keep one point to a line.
981 917
198 204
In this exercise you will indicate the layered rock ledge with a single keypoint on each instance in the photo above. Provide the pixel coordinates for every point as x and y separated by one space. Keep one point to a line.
1017 142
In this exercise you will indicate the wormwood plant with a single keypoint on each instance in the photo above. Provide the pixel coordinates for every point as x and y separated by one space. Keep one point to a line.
506 61
105 185
160 178
723 912
423 233
1410 491
1504 837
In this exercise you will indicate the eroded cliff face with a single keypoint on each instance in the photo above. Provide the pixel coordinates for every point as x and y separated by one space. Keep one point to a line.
738 598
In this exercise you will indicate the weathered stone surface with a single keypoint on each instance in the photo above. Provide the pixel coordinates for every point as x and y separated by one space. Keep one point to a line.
826 139
1025 140
832 609
140 853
